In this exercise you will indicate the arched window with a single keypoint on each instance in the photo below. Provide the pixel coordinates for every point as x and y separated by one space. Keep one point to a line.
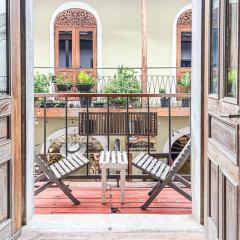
75 42
184 43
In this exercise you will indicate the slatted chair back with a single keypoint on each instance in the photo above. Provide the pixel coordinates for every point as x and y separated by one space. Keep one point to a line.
181 159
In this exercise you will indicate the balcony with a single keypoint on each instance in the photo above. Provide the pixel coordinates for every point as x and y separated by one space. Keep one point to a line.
136 126
98 117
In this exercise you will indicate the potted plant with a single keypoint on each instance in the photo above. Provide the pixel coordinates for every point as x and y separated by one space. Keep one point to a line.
125 81
99 103
232 82
164 100
185 83
60 104
41 85
85 83
63 84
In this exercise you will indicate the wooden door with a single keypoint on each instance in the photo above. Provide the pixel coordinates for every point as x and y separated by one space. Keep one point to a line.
222 198
184 46
75 43
11 193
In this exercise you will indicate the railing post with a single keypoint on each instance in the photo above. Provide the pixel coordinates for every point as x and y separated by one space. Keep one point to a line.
66 125
169 132
87 133
148 123
45 128
128 132
108 122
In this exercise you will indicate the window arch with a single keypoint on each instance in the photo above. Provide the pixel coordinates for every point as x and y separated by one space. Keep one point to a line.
75 42
184 43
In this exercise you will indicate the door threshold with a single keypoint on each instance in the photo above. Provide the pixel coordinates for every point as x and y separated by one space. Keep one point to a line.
79 223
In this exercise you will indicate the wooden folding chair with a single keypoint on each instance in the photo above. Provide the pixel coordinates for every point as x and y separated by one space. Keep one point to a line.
164 174
56 172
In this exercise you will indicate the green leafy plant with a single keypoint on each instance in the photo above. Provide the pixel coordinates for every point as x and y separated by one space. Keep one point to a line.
232 75
41 83
185 82
84 78
162 90
61 80
125 81
232 80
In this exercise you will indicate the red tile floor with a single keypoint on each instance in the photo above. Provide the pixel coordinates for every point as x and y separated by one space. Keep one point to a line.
53 201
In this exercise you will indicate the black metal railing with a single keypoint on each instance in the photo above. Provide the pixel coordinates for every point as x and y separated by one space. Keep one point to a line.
159 79
81 120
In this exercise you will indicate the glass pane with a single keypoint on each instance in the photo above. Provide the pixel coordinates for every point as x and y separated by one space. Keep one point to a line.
231 48
86 49
214 67
3 48
186 49
65 49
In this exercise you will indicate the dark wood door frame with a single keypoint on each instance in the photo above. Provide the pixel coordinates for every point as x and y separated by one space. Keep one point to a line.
15 110
220 165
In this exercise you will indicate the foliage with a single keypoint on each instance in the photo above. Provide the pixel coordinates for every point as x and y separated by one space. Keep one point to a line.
41 83
125 81
61 80
232 75
185 81
162 90
84 78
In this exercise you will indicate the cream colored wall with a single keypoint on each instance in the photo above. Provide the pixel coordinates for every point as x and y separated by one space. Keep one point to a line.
121 30
54 124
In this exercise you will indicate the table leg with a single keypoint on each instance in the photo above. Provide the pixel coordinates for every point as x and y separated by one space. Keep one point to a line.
122 184
104 184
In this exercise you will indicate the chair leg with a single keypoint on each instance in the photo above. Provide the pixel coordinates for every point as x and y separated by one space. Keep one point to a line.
153 196
154 188
66 190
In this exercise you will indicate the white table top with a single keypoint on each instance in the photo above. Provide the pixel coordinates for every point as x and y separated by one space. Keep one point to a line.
113 158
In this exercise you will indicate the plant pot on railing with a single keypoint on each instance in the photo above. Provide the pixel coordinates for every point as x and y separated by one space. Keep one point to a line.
85 83
98 104
185 83
164 102
185 102
63 87
85 101
63 84
60 105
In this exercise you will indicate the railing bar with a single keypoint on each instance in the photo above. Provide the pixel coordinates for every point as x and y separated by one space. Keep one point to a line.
107 68
87 135
108 122
45 128
169 131
74 95
127 125
66 125
148 124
